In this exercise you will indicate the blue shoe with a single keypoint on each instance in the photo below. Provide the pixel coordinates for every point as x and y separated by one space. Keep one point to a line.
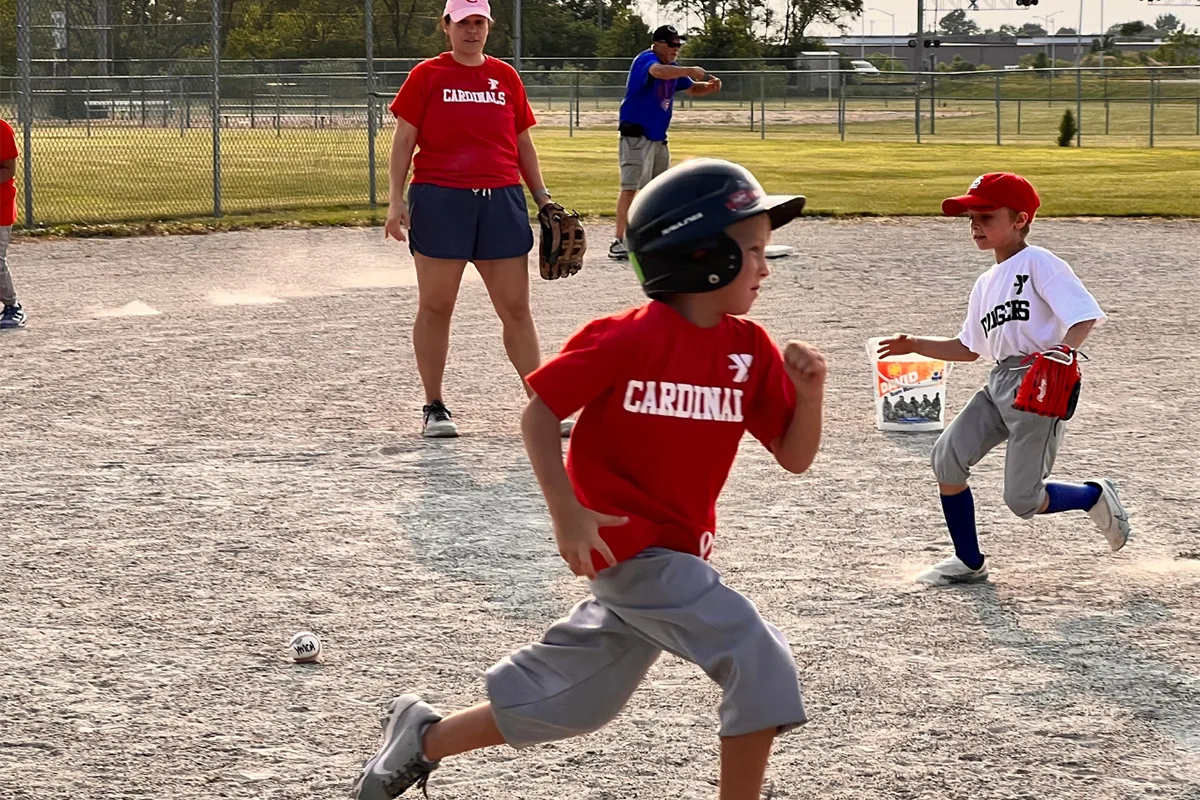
12 317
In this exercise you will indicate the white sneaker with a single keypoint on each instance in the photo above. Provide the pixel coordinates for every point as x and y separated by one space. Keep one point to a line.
565 427
951 571
618 250
438 424
1110 515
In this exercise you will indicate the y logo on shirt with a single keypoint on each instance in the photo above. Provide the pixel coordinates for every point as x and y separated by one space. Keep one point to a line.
740 366
1020 284
493 84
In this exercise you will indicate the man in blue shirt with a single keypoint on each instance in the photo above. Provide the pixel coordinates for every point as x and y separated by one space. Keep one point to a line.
654 78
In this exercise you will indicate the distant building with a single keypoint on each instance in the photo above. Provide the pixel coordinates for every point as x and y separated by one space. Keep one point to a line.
995 50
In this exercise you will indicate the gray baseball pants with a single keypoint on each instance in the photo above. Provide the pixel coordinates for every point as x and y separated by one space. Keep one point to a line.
585 669
988 420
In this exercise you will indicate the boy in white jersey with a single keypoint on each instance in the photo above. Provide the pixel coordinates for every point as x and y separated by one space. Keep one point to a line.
1028 302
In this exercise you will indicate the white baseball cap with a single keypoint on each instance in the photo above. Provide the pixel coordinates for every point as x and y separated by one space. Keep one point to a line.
458 10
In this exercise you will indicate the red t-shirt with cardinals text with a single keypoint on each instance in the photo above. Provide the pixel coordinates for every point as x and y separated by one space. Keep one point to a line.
467 121
8 189
665 404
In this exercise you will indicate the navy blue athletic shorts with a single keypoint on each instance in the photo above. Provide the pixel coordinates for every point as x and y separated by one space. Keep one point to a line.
468 224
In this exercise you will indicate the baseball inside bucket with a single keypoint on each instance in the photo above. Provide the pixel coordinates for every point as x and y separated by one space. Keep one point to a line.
910 391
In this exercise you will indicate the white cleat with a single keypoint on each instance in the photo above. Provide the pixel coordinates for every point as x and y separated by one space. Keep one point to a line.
952 571
1110 515
565 427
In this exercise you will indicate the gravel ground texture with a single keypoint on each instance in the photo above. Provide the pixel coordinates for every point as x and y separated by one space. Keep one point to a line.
212 442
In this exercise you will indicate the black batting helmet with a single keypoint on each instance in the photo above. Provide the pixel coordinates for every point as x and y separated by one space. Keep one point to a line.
676 232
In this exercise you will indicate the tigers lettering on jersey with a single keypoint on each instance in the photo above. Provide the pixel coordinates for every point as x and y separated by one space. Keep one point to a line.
1009 311
684 400
464 96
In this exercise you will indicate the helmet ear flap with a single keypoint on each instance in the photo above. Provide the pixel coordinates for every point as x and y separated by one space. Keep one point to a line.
718 261
705 266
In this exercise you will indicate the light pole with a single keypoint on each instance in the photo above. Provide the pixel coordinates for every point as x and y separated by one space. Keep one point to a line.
1049 20
893 16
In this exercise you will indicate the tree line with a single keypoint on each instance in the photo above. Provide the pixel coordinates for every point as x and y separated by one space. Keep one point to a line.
562 32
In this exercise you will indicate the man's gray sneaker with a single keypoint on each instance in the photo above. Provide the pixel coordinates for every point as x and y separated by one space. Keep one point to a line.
399 764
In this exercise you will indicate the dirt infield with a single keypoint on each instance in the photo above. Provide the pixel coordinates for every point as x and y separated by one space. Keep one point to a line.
211 442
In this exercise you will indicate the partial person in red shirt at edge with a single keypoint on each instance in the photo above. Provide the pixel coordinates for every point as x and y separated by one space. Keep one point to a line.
666 390
12 315
467 117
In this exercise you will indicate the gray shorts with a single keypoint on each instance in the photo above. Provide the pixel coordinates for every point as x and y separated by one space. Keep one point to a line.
8 294
642 160
585 669
989 419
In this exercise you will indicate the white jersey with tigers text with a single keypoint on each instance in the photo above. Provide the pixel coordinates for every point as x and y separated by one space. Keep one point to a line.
1025 305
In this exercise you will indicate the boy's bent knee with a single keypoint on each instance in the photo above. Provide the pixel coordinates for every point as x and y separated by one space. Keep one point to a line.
1024 501
948 468
760 684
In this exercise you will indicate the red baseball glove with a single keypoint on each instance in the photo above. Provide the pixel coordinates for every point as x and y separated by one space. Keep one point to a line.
1051 384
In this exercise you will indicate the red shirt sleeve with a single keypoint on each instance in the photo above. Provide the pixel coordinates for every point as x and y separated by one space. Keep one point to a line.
409 103
522 110
774 402
8 142
582 371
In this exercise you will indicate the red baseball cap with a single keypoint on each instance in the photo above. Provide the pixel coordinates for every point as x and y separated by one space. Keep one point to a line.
992 191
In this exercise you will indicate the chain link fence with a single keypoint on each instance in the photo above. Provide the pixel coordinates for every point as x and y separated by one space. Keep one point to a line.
136 139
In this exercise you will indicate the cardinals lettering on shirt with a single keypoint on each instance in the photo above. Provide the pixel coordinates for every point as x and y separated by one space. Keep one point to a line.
684 400
464 96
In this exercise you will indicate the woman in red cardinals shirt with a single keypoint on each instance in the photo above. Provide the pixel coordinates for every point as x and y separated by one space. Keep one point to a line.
467 117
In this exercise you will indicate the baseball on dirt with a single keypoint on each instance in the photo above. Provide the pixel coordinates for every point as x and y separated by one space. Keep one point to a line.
305 647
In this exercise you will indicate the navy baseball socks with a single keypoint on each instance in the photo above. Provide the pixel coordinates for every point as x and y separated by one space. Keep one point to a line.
1071 497
967 565
959 510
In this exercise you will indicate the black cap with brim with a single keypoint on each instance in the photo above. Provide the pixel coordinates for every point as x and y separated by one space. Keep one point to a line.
668 33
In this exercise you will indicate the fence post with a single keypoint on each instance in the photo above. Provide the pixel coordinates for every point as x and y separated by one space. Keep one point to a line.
842 107
917 96
87 104
578 98
1078 107
372 189
571 108
278 110
1152 109
997 109
1106 109
1198 116
143 101
216 106
751 113
182 101
26 105
762 105
1018 116
932 103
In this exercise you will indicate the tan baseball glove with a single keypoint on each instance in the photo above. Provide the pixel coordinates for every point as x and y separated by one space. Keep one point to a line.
563 242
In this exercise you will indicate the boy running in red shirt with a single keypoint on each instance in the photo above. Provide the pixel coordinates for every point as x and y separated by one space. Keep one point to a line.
666 390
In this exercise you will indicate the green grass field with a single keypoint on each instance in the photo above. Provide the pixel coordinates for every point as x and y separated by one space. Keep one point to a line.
134 175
